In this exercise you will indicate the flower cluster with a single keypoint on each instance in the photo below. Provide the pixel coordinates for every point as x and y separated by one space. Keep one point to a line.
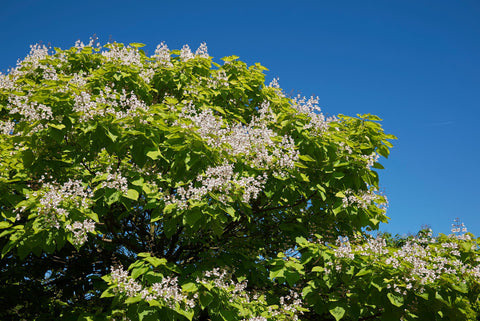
222 279
362 199
221 179
344 249
121 105
371 159
162 54
126 56
124 283
80 230
255 142
55 200
6 127
115 180
31 111
422 263
318 122
168 291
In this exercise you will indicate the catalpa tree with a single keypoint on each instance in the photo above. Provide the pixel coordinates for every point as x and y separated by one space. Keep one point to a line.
172 187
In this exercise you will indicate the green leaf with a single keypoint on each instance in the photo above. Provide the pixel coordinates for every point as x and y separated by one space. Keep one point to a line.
155 261
396 300
318 269
228 315
57 126
139 271
28 157
132 194
338 175
292 277
186 313
363 272
154 154
337 312
189 287
304 177
108 293
136 45
133 299
306 158
300 165
148 314
5 224
205 299
191 217
277 273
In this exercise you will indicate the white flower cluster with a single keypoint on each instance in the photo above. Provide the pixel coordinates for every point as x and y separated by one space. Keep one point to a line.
37 53
374 246
344 147
219 179
126 56
114 180
202 51
371 159
56 199
218 79
7 82
318 122
125 284
80 230
167 291
170 293
255 142
459 230
30 110
222 279
162 54
121 105
187 54
78 80
425 263
80 45
361 198
344 249
7 127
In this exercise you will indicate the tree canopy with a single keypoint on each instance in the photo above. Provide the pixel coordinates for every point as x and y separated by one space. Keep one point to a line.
173 187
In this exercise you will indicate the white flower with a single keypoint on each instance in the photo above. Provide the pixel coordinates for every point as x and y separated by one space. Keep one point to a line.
186 54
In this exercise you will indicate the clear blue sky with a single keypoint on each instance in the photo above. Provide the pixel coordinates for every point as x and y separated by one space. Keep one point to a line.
414 63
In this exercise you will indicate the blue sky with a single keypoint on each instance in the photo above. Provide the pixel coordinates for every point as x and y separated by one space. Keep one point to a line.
414 63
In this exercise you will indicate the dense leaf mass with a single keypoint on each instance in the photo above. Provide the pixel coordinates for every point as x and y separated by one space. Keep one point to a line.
172 187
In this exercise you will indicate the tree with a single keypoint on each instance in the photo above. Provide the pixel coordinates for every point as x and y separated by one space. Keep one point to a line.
211 187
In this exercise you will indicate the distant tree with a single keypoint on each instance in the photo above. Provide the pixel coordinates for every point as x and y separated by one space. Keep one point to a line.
225 199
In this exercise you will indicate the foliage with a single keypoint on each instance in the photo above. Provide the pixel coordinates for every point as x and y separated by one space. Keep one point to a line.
224 198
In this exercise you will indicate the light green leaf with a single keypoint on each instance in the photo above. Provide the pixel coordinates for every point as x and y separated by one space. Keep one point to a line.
155 261
133 299
5 224
108 293
139 271
363 272
306 158
396 300
132 194
189 287
337 312
154 154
